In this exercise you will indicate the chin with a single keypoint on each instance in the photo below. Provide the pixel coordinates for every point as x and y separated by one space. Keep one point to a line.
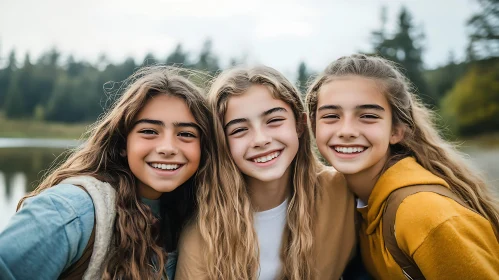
346 170
166 189
269 177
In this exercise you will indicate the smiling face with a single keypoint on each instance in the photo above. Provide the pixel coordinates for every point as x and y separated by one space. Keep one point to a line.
354 126
163 148
261 133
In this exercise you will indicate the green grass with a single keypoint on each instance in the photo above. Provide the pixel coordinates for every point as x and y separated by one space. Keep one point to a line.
40 129
487 140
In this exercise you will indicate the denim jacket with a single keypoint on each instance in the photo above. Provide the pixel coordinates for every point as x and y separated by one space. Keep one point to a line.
49 234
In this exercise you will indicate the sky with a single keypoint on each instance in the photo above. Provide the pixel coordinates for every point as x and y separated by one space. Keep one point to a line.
278 33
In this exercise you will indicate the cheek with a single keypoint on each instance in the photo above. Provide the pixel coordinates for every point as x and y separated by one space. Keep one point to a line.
323 133
236 147
193 152
289 130
135 147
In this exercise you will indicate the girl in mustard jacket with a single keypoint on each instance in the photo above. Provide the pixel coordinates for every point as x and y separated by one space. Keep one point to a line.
371 127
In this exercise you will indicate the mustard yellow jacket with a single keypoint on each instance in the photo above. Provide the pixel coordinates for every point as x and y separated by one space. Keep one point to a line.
446 240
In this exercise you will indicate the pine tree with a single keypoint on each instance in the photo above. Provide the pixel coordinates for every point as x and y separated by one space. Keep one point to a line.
405 48
484 31
178 57
207 60
301 81
14 100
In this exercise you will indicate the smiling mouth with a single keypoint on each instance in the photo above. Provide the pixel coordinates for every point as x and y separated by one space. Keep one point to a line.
167 167
349 150
267 158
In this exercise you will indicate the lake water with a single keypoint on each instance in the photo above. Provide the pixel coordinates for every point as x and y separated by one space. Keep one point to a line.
23 162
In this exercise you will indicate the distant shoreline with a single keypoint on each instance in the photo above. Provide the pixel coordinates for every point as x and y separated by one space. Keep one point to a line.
38 143
32 129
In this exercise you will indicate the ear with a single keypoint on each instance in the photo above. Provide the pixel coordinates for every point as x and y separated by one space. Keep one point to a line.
301 124
398 133
123 153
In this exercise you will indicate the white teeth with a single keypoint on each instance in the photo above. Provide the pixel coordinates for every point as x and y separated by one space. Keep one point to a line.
349 150
267 157
165 166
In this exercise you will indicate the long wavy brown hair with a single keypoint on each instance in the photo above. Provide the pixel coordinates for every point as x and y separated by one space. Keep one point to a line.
138 249
225 210
421 140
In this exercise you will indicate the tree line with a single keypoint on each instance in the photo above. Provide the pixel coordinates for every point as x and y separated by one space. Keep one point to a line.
466 94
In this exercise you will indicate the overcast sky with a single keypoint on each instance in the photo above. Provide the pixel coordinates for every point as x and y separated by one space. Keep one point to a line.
276 33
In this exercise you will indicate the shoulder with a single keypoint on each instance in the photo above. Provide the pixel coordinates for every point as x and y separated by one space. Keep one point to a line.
57 222
333 184
190 238
335 203
191 262
420 214
334 224
328 174
62 207
65 198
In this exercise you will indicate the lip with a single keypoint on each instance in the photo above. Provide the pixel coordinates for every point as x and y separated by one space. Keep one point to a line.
347 156
264 154
165 162
166 173
268 163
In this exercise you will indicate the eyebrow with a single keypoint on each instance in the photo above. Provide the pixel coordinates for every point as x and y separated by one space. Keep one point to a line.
266 113
161 123
149 121
358 107
273 110
187 124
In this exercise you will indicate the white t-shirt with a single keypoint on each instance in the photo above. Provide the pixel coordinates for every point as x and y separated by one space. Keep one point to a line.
361 204
269 226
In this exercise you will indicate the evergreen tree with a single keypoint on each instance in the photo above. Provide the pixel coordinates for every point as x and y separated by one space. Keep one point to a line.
178 57
14 100
6 75
46 72
207 60
149 60
405 48
484 31
74 68
26 86
301 81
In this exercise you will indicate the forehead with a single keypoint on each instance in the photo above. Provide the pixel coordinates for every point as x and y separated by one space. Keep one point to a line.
352 90
253 102
167 108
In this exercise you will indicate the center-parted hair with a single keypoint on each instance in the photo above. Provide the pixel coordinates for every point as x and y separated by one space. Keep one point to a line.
421 140
139 248
225 210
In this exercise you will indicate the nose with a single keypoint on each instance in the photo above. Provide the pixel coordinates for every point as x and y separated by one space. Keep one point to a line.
167 146
261 138
348 130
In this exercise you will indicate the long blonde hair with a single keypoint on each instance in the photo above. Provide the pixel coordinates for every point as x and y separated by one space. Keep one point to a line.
421 139
225 211
135 240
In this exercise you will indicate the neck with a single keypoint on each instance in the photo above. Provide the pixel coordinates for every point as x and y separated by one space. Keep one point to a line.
362 183
361 186
268 195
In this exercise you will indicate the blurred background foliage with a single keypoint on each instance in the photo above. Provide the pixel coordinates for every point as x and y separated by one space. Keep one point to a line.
53 88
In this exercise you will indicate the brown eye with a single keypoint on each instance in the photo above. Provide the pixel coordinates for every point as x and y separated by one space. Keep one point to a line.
187 134
148 131
237 130
276 120
369 116
330 116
